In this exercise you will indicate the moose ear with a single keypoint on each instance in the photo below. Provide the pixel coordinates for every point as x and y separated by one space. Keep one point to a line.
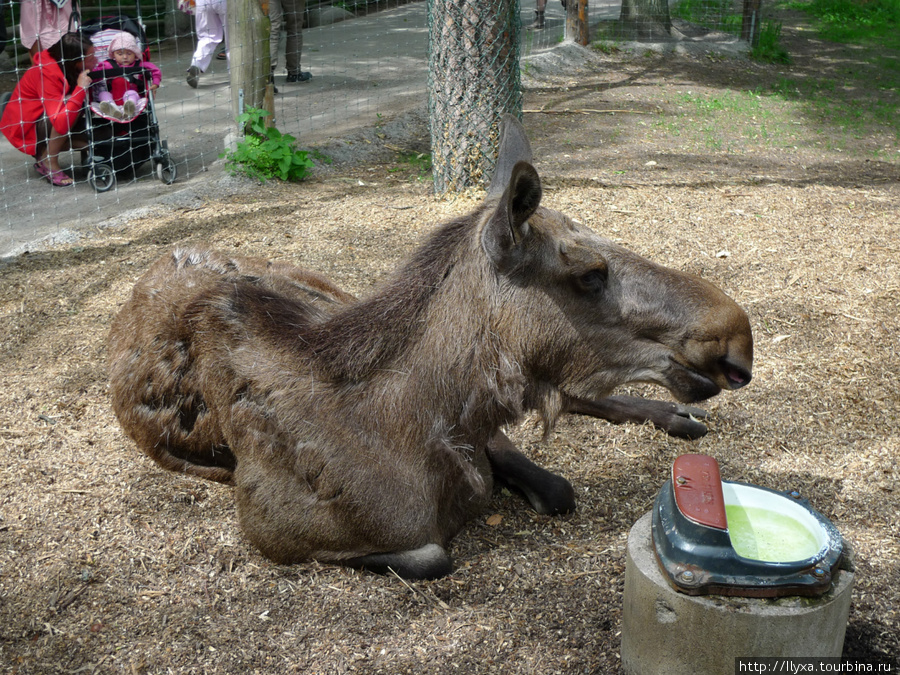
508 224
514 148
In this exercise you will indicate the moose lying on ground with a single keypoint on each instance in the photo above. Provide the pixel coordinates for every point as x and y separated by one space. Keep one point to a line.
367 432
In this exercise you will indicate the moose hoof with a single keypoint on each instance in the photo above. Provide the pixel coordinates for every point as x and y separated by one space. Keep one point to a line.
556 497
684 422
552 496
428 562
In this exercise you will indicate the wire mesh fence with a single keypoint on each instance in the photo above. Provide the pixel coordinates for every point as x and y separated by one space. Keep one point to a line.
473 79
368 61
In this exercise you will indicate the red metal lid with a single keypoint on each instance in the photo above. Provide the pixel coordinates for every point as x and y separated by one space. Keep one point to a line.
698 490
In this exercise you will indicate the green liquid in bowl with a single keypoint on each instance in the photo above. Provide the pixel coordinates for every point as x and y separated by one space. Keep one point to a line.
762 534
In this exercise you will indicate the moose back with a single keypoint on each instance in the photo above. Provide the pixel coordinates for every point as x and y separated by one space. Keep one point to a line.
367 432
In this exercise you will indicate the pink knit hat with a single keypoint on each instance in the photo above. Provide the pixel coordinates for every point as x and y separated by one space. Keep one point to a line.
124 40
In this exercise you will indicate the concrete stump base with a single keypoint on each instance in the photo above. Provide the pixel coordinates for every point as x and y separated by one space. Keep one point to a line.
664 631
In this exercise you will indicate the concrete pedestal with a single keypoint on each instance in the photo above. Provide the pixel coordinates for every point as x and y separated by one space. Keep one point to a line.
666 632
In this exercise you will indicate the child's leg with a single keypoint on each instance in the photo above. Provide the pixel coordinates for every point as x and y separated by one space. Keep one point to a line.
130 102
106 103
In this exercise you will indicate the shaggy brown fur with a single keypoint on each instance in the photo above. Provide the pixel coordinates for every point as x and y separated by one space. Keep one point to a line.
368 432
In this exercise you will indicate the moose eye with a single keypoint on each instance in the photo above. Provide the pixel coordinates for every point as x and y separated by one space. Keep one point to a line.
593 281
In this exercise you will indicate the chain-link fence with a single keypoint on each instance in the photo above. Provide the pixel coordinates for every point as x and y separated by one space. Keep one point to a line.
369 61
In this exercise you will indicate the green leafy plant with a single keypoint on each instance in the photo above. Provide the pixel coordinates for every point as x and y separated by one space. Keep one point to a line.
605 47
265 152
769 49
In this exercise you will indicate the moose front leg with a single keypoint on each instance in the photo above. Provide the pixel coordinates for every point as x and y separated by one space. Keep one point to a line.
673 418
547 493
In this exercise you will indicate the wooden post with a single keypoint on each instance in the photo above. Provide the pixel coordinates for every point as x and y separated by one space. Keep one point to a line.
248 48
577 28
750 21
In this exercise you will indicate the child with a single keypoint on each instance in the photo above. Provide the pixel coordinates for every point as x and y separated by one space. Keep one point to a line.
119 97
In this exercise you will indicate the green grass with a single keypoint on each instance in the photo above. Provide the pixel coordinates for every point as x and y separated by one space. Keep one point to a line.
836 104
734 103
855 98
416 164
711 13
872 22
728 119
852 101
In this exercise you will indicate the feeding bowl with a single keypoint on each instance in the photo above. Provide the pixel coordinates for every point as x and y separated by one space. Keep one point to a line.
716 537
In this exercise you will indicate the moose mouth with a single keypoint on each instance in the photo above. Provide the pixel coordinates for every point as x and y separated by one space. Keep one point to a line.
737 376
690 385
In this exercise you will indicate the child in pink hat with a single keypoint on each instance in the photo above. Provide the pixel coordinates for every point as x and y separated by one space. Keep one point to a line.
118 97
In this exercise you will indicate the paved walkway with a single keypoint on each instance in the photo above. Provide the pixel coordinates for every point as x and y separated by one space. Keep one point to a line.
363 68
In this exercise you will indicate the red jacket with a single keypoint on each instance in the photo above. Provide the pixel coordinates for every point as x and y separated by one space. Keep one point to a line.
41 91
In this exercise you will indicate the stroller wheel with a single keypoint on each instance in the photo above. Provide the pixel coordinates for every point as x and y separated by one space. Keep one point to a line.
166 170
102 177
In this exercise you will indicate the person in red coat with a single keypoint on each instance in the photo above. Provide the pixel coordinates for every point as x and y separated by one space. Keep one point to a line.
44 114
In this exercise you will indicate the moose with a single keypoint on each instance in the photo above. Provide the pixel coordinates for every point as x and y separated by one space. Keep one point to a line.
366 432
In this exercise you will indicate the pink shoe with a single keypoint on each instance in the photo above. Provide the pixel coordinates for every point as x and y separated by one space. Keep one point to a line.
57 178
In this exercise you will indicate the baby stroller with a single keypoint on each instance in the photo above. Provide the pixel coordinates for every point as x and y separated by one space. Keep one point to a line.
117 145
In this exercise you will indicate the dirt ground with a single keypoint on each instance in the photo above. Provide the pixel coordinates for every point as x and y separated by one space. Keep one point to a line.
110 564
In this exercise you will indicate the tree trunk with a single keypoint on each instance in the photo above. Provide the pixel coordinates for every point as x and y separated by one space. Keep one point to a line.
577 28
473 78
647 18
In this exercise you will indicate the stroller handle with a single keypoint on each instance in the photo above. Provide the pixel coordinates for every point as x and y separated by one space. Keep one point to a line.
139 76
128 72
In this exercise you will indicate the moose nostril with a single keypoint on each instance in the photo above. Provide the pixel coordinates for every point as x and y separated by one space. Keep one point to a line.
737 376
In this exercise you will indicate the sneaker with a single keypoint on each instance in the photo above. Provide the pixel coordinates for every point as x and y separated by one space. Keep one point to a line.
272 82
129 108
193 77
110 109
302 76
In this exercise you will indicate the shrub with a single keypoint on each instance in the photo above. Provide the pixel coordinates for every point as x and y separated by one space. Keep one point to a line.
265 152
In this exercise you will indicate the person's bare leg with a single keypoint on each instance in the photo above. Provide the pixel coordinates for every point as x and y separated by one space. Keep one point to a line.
56 144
